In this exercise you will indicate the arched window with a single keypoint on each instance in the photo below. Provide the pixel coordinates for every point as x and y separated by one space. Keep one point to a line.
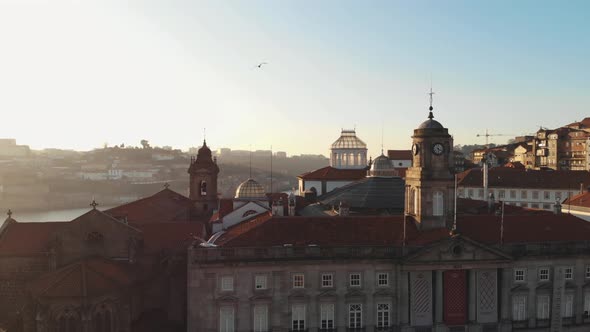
203 188
69 321
438 204
102 320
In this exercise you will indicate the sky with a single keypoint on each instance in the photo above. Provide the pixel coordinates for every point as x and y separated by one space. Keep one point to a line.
78 74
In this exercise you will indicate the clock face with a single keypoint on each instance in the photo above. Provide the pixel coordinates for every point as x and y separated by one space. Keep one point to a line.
438 149
415 149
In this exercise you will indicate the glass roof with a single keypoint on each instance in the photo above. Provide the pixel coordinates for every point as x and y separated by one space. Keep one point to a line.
348 140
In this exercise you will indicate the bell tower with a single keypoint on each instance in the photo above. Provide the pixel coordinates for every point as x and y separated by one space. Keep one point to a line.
429 182
203 182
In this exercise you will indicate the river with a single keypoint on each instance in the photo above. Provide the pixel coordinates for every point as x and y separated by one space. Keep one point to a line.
54 215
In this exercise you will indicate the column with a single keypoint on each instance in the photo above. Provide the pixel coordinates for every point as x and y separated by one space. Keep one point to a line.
505 308
403 303
472 300
438 306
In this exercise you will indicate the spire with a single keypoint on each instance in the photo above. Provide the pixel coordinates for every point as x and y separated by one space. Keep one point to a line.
431 93
204 136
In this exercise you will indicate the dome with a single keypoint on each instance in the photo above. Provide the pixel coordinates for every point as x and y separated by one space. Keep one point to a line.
250 189
382 166
348 140
430 123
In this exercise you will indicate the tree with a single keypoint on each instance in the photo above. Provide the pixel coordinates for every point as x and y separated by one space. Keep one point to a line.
145 144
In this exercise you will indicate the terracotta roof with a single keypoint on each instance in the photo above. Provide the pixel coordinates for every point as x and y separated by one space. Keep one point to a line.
515 164
169 236
468 206
267 231
165 205
331 173
503 177
581 200
226 205
525 228
399 154
26 238
86 278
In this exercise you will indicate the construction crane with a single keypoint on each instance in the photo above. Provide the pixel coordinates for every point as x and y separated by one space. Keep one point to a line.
488 135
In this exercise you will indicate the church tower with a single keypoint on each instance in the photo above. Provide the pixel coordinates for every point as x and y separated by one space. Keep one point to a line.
203 182
430 181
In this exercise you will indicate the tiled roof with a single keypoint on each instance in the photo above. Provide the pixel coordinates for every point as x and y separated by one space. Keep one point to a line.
165 205
525 228
399 154
86 278
580 200
503 177
473 207
270 231
169 236
26 238
331 173
226 205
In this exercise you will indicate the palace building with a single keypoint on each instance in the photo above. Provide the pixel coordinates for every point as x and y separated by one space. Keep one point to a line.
482 266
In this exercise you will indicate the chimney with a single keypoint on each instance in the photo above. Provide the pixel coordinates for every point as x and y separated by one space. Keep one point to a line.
557 208
491 201
343 209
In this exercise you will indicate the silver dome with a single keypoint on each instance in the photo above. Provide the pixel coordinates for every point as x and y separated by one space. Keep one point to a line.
250 189
382 167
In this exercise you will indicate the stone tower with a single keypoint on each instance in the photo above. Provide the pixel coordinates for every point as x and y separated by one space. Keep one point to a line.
203 182
430 181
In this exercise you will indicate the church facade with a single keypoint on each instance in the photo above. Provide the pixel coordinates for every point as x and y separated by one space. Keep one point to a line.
490 268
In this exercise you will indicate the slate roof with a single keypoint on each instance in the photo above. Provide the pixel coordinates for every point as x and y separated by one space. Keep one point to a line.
369 193
165 205
86 278
331 173
505 177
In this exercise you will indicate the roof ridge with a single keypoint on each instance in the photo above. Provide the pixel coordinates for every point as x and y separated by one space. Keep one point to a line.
71 267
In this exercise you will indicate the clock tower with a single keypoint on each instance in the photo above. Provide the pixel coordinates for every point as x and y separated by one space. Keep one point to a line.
430 181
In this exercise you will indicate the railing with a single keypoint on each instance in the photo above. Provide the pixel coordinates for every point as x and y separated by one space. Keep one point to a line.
200 254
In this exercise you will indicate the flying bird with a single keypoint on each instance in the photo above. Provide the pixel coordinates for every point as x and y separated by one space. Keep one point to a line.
261 64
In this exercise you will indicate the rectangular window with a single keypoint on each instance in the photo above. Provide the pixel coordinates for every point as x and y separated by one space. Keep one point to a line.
355 280
227 283
382 315
568 273
298 317
355 315
519 275
587 271
535 194
327 280
298 280
226 319
587 304
383 279
512 193
480 193
547 195
469 193
501 193
568 306
543 274
523 194
327 316
519 308
260 282
535 205
260 318
547 206
543 307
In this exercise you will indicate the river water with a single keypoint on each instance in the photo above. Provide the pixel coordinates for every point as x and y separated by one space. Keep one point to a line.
54 215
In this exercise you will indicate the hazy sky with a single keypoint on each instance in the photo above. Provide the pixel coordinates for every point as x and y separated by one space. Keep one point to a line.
76 74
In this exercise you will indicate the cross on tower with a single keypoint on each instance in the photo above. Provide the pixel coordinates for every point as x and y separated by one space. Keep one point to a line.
9 213
94 204
431 93
166 185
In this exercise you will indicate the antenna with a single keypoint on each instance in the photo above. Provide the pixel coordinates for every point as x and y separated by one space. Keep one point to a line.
271 169
382 137
204 135
454 230
502 226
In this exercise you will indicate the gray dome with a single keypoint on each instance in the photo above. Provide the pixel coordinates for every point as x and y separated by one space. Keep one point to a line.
430 124
250 189
348 140
382 166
